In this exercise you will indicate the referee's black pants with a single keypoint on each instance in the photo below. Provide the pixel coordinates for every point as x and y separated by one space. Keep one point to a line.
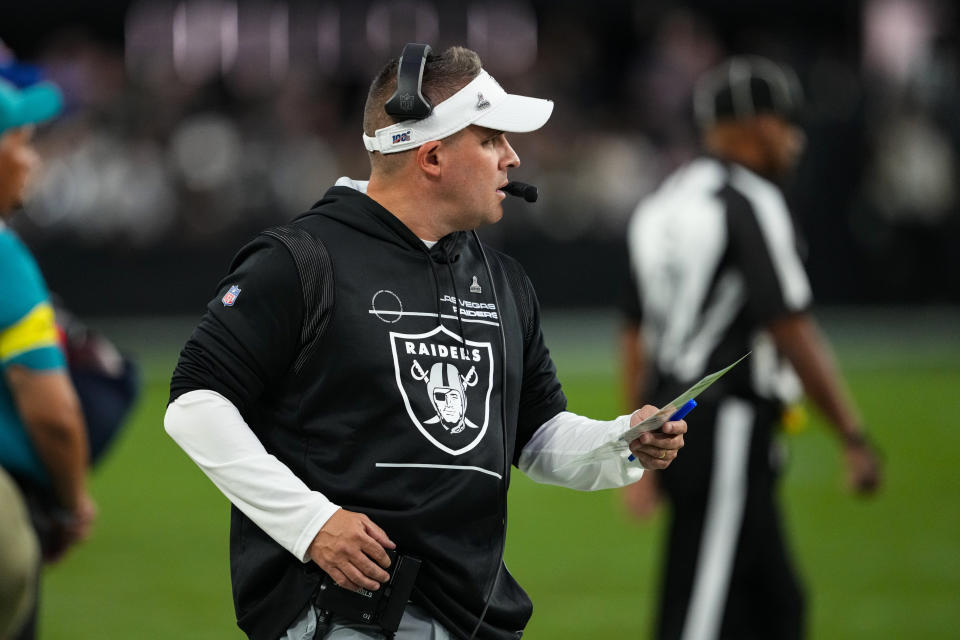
728 573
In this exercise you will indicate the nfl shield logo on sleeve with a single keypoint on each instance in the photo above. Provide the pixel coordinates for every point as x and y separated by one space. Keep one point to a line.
230 297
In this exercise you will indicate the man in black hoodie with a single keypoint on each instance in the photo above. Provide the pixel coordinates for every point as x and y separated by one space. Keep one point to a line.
367 374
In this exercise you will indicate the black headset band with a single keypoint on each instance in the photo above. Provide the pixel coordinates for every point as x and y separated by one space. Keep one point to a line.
408 102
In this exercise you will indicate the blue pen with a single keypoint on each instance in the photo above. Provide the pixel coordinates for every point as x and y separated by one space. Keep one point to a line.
680 414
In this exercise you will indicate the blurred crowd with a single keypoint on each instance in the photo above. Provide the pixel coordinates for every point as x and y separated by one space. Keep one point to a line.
195 123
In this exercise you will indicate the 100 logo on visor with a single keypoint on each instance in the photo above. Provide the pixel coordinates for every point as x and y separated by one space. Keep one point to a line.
445 383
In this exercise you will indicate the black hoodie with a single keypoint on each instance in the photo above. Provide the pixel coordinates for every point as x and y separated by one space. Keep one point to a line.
373 368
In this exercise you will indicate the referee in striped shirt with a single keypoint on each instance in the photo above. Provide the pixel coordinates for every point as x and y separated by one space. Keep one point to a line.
716 272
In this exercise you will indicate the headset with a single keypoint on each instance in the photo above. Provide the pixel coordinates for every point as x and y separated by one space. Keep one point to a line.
409 103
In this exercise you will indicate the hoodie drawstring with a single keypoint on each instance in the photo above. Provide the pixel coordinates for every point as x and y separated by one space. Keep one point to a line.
456 294
436 282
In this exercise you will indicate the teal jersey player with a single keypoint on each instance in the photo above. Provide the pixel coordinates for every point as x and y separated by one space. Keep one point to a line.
28 337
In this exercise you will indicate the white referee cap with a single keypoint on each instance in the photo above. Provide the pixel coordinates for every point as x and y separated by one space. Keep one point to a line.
745 86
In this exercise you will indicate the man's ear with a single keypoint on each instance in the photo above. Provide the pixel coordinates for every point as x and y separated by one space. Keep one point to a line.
775 125
18 135
428 158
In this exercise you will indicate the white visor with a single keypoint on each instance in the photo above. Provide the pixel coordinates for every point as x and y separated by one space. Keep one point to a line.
482 102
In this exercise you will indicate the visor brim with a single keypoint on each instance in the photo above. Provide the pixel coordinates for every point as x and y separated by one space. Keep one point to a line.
517 114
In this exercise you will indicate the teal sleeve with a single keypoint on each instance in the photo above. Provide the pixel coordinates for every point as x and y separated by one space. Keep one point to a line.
43 359
21 284
28 333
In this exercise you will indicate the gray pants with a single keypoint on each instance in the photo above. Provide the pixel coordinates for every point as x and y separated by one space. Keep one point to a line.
19 558
416 624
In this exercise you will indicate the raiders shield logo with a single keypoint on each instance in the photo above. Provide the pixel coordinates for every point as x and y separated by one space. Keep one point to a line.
445 384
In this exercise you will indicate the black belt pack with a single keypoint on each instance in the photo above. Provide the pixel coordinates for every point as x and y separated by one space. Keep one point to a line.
383 607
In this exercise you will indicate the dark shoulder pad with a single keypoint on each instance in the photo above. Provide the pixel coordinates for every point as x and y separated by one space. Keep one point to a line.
316 278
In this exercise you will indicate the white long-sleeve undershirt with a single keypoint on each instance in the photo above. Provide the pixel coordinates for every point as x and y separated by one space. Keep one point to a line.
210 429
568 435
215 436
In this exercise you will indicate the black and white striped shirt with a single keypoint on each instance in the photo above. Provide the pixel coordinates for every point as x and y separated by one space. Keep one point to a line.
714 260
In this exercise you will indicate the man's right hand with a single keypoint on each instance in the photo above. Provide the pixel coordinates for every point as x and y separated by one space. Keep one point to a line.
71 526
84 513
349 548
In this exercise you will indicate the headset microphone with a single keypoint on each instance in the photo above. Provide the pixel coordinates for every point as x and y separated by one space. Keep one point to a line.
522 190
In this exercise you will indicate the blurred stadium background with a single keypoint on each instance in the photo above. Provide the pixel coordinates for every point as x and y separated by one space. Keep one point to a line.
193 124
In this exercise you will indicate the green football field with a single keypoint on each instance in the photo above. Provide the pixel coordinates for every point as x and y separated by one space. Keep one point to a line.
157 567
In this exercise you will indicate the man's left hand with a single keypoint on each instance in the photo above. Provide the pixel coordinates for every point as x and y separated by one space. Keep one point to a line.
657 449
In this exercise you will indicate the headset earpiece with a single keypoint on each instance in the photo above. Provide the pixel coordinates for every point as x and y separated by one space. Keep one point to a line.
407 102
